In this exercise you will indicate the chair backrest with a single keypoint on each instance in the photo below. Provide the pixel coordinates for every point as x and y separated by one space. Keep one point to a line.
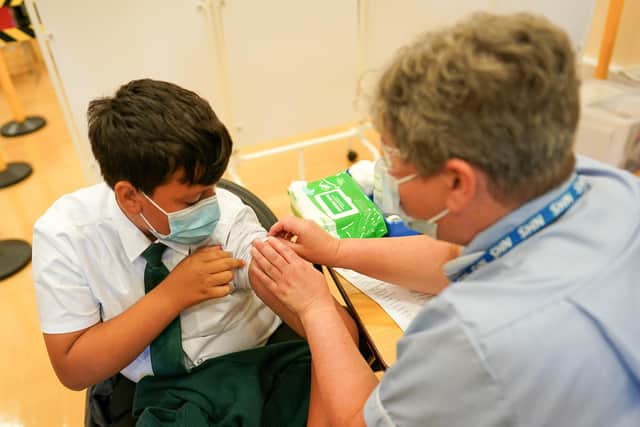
265 215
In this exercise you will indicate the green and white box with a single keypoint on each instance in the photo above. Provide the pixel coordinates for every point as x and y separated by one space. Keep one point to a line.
338 205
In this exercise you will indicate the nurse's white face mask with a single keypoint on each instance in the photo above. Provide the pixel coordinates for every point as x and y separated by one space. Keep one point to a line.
389 198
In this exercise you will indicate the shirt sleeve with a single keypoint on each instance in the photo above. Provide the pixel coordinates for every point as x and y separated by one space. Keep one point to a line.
244 229
439 379
65 300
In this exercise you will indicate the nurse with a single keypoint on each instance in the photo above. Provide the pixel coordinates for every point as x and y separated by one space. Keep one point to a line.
536 322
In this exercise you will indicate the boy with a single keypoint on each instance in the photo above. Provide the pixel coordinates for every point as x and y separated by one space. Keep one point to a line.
147 273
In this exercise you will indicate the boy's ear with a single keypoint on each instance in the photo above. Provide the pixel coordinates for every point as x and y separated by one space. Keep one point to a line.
128 197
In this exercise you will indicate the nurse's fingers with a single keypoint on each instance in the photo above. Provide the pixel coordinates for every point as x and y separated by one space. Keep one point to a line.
265 265
263 279
270 254
284 251
290 225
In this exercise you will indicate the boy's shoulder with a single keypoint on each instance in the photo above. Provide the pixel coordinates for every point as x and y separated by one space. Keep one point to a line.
230 205
83 207
236 218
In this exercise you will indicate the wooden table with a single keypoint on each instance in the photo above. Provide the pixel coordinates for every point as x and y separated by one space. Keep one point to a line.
380 331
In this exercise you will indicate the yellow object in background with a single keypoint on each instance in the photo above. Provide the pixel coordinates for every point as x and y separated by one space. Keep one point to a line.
608 38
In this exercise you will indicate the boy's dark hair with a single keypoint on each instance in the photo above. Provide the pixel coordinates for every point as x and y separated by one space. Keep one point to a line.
150 129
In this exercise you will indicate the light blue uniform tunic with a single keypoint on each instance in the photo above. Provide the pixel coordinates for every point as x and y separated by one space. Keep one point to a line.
547 335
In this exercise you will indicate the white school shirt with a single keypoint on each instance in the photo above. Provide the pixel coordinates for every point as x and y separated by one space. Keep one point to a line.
87 268
547 335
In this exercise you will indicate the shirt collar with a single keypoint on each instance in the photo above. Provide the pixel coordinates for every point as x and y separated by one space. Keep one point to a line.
483 240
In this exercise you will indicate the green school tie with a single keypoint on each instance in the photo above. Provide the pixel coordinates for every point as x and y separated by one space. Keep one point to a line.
166 350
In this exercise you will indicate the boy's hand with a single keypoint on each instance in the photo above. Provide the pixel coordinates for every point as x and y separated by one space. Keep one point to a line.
206 273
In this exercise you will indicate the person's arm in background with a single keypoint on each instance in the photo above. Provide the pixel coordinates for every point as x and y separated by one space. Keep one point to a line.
414 262
91 355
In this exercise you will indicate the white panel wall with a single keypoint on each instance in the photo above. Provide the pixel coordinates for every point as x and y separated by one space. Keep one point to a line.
292 66
572 15
99 45
392 24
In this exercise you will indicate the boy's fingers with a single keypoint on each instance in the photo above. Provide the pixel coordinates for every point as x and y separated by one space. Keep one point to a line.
207 249
220 278
212 254
220 291
223 264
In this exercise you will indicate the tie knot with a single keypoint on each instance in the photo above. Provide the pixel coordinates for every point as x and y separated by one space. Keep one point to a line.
153 254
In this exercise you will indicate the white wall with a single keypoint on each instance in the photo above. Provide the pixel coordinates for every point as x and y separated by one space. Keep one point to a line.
391 24
572 15
292 64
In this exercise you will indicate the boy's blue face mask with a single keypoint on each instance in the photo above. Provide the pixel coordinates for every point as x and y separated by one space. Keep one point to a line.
191 225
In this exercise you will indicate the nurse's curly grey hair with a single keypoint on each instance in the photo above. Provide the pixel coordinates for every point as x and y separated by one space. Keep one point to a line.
499 91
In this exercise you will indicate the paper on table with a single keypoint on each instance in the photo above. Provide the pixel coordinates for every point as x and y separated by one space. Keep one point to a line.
401 304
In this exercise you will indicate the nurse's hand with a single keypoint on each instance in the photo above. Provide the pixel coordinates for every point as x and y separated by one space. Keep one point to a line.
307 239
294 281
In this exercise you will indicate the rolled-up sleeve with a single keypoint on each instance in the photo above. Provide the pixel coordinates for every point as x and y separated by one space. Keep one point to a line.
244 229
440 378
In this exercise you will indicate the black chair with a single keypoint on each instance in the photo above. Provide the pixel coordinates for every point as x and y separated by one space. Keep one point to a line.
109 402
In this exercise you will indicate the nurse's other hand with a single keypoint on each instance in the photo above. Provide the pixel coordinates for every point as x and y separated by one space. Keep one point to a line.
289 278
307 239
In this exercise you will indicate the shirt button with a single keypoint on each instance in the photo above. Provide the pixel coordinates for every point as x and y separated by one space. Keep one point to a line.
199 361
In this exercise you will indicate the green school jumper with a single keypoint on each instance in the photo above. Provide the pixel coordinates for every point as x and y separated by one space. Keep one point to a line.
267 386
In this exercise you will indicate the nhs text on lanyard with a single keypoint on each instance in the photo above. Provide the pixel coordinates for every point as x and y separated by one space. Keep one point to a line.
531 226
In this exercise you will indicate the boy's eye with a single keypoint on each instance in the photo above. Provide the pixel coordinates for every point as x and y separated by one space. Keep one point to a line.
199 197
195 200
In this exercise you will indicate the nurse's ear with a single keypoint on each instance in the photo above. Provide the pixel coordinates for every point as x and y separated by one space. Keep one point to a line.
128 197
463 181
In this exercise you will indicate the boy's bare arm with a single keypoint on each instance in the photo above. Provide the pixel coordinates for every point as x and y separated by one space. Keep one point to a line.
86 357
288 316
89 356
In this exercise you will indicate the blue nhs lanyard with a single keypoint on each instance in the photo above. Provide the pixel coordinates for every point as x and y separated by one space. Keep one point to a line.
546 216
